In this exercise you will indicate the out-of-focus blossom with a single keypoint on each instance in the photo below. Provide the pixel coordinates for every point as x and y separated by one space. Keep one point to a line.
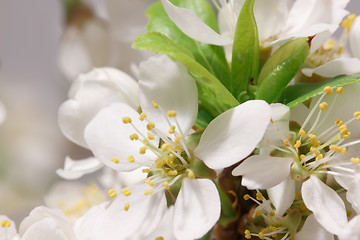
97 41
2 113
332 59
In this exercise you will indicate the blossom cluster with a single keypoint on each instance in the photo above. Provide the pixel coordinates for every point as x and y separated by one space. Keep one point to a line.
244 125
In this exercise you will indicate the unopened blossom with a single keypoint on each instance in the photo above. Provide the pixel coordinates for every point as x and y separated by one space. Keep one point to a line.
333 59
278 21
322 144
157 139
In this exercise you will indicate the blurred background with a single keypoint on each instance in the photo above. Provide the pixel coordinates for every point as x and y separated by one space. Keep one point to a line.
43 46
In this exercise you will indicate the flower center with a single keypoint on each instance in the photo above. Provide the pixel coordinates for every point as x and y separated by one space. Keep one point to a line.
312 155
172 154
332 49
5 224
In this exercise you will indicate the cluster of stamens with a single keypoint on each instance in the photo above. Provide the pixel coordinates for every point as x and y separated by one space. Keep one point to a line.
265 210
332 49
312 155
173 156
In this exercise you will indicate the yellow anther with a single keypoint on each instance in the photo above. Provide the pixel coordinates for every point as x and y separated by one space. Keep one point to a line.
272 213
297 144
323 106
302 133
176 148
357 115
342 150
142 116
355 160
154 103
112 193
126 192
191 174
328 90
150 136
172 113
178 138
114 160
166 185
150 126
126 206
172 172
148 181
159 163
339 90
134 137
328 45
312 136
286 142
247 232
146 170
261 235
302 156
130 158
333 147
259 196
148 192
248 236
172 156
346 135
246 197
165 147
338 122
159 238
126 120
142 150
348 22
320 156
172 129
5 223
258 212
273 228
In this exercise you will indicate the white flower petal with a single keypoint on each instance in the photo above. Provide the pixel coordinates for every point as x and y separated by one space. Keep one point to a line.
353 193
197 208
234 134
163 230
92 92
170 85
312 230
328 208
352 230
192 26
43 219
354 38
142 217
45 229
336 67
2 113
262 172
108 137
74 169
305 15
9 232
282 195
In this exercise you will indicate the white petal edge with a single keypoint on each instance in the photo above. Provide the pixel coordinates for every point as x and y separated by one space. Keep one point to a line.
108 137
354 38
9 232
352 230
282 195
262 172
74 169
197 208
336 67
328 208
312 230
171 86
234 134
192 26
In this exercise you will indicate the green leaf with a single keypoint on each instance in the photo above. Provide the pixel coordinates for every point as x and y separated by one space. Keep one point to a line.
212 94
203 118
280 69
298 93
210 56
246 50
